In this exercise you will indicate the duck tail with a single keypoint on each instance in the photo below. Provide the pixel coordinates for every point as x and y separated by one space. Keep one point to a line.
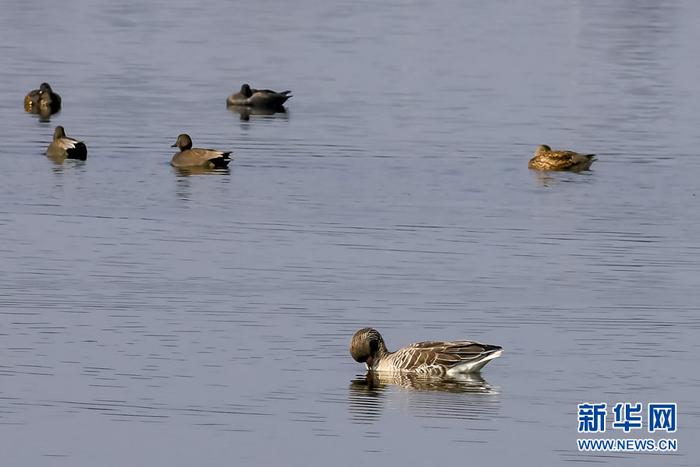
78 152
491 348
489 353
222 161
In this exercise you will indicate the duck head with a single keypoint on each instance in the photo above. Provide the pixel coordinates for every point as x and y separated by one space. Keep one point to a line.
183 142
542 149
246 91
59 133
367 346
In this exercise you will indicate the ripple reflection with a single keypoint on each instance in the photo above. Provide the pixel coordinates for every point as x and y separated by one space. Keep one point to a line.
547 179
246 112
423 396
188 171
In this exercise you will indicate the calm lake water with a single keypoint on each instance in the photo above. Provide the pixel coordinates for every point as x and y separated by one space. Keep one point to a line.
148 317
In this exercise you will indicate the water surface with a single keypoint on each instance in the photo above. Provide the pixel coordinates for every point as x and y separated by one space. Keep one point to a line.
151 317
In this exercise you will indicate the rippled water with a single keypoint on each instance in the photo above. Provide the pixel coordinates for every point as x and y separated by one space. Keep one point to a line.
148 317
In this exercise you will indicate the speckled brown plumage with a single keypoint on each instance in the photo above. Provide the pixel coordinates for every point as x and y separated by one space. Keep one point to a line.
430 358
547 159
42 101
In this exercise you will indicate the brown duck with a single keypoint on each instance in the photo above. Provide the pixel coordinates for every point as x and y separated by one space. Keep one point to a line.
42 101
546 159
63 147
434 358
198 157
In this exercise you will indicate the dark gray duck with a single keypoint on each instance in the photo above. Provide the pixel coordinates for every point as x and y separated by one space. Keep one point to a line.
261 98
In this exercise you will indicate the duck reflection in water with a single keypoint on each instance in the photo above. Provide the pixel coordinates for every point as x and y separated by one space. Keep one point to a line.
246 112
187 171
375 382
549 179
465 397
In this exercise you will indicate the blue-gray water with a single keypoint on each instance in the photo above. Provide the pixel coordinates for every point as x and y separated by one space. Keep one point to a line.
153 318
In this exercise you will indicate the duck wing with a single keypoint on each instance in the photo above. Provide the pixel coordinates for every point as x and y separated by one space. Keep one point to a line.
67 148
74 149
437 357
31 100
219 159
270 91
199 157
570 157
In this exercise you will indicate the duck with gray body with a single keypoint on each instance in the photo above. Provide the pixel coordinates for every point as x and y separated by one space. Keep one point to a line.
260 98
42 101
63 147
547 159
198 157
433 358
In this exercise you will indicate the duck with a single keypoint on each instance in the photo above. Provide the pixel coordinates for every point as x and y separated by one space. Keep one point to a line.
63 147
433 358
42 100
261 98
198 157
547 159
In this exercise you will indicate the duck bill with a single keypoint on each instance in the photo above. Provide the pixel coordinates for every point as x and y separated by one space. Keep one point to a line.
369 362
